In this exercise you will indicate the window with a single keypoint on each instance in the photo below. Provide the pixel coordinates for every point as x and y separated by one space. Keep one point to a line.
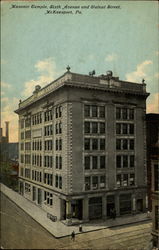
60 162
57 143
22 135
48 198
87 111
87 183
102 144
56 181
101 111
28 146
131 161
118 128
48 130
131 144
21 171
94 144
87 127
27 122
125 180
118 113
118 144
118 161
27 188
48 145
57 161
60 111
56 112
60 182
118 180
132 180
28 134
131 129
94 162
131 114
22 123
21 146
125 128
125 144
102 127
94 111
48 179
102 162
48 115
87 144
60 144
27 159
125 161
94 127
87 162
125 113
94 182
60 128
102 181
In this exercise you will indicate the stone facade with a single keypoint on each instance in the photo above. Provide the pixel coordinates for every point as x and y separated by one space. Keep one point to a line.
82 147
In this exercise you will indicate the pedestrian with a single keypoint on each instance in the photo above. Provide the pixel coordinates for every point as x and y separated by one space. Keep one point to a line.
114 214
73 236
80 228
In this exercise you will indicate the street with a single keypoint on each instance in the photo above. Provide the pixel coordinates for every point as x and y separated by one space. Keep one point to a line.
20 231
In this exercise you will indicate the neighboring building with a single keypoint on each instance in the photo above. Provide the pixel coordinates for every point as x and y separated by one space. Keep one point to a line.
82 146
4 140
152 122
155 195
152 134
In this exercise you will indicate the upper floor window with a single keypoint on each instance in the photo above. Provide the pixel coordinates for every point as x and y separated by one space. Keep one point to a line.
94 111
27 122
124 113
87 110
22 123
37 118
101 111
58 111
48 115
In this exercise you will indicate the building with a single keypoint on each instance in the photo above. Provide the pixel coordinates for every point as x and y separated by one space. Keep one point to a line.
152 121
82 146
4 141
152 134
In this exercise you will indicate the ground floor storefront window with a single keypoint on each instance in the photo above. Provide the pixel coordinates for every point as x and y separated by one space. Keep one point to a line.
125 204
95 208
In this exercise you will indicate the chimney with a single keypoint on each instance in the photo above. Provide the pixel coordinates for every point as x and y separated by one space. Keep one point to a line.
7 131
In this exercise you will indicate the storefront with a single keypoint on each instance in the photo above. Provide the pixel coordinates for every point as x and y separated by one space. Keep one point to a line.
95 208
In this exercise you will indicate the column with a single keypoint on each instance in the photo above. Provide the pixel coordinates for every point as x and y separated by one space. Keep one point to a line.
68 213
117 205
104 210
133 203
85 209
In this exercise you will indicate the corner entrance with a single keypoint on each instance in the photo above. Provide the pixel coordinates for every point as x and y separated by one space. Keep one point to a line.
77 208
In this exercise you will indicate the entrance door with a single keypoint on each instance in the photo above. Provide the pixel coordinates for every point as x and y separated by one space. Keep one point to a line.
140 205
110 204
39 196
76 206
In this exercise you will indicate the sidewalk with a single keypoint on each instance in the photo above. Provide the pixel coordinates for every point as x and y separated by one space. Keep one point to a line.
58 229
